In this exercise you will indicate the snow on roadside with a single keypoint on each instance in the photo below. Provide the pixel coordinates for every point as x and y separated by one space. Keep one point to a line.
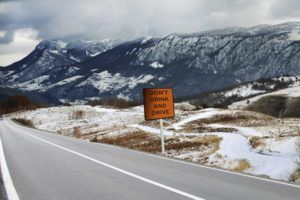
282 146
277 158
245 131
56 119
152 130
236 147
201 115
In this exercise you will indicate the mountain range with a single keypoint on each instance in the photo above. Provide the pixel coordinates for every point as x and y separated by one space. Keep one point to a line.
189 63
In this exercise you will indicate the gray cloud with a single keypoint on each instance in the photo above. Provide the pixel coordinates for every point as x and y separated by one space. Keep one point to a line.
133 18
98 19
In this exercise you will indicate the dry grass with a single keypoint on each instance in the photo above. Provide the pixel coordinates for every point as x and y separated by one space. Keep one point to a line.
295 177
77 114
77 132
135 140
242 166
217 155
193 143
242 118
25 122
150 143
205 129
256 142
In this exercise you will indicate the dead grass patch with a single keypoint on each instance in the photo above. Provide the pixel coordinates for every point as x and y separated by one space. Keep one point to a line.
151 143
295 177
242 118
135 140
256 142
77 132
202 129
77 114
25 122
242 166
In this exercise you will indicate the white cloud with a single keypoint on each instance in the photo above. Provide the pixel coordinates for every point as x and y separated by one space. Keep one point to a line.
2 34
24 41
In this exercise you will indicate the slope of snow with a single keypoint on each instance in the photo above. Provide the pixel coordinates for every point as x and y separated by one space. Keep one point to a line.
290 92
63 82
236 147
155 131
94 118
243 91
201 115
105 81
35 84
2 75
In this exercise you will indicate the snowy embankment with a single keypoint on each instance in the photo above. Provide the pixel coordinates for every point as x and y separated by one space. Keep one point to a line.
293 91
279 162
276 157
93 119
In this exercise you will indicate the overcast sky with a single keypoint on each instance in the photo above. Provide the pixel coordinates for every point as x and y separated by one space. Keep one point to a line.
24 23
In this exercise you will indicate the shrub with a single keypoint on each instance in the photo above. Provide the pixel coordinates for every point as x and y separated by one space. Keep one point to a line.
77 114
115 102
242 165
77 132
25 122
17 103
151 143
295 177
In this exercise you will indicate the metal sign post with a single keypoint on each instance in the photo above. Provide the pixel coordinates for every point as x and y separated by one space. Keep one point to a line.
159 104
162 136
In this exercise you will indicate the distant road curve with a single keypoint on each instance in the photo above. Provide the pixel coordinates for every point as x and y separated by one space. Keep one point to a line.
50 166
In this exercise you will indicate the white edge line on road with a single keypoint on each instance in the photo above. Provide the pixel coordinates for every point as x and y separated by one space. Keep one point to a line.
192 164
203 166
8 183
120 170
221 170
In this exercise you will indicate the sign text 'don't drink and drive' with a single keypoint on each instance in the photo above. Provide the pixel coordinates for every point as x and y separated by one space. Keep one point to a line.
158 103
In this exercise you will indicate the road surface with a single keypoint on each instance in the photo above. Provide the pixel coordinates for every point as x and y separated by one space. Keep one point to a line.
46 166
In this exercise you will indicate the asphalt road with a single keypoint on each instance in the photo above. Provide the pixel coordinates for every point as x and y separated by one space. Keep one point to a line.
48 166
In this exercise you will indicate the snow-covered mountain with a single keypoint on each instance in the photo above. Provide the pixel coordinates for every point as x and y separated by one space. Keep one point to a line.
52 54
190 63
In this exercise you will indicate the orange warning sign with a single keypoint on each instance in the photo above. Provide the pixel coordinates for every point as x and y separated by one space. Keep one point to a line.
158 103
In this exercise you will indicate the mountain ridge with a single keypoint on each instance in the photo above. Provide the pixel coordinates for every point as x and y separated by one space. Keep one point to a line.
190 63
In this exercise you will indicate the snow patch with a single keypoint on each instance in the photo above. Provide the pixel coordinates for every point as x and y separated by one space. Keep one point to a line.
35 84
156 65
146 39
105 81
243 91
294 36
236 147
201 115
54 51
63 82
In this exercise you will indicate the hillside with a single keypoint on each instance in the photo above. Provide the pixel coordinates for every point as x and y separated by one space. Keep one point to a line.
281 103
190 63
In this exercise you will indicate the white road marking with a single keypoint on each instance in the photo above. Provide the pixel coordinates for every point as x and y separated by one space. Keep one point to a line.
203 166
120 170
8 183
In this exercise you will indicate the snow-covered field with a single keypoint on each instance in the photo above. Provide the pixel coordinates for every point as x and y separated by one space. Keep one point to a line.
260 147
